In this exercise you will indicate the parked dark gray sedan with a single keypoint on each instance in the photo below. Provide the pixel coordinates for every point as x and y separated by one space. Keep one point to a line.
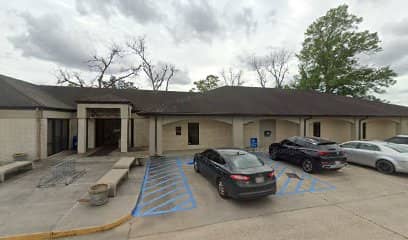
236 173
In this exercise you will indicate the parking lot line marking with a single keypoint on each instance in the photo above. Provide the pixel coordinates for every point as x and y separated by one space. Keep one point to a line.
161 196
162 188
163 177
162 182
186 185
300 183
163 174
167 184
169 167
151 210
284 186
281 171
159 166
136 209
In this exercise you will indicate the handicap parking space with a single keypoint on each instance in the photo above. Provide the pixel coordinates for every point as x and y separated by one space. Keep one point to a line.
165 188
293 180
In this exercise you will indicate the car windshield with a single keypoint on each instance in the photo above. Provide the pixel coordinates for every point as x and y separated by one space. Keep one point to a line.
240 159
398 148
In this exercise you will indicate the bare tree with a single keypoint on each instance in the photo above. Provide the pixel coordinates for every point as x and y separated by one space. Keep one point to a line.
159 75
232 77
257 64
276 63
73 79
271 67
101 66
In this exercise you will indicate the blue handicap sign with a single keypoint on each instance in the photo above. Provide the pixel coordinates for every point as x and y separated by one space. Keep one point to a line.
254 142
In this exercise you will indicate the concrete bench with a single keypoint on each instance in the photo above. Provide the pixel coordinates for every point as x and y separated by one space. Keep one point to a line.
124 163
113 178
14 167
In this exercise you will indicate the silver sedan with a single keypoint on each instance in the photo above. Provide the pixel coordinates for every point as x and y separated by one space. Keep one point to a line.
385 157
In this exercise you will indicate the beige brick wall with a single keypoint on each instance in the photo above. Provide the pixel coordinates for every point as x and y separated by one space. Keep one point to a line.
212 134
334 129
267 125
380 129
250 131
141 134
18 135
285 129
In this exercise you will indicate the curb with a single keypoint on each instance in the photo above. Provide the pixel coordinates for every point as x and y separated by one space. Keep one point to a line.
69 233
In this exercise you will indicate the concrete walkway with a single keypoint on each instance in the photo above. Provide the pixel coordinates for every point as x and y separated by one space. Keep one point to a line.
24 208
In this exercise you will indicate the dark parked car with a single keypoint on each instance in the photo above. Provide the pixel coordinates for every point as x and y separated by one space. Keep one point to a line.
313 154
236 173
399 139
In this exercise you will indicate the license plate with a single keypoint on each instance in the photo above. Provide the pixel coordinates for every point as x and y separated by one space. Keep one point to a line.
259 179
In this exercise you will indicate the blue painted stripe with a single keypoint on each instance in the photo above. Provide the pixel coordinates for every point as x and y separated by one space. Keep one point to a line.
162 165
281 171
155 176
136 209
162 177
159 170
164 204
285 185
161 196
312 185
162 182
186 185
300 183
161 188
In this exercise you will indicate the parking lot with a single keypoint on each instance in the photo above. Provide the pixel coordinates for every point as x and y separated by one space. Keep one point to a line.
353 203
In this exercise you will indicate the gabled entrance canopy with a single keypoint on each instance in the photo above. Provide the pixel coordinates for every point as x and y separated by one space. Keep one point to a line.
109 107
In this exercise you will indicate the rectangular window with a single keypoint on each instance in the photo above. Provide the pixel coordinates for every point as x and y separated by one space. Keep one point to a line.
364 130
178 131
316 129
57 135
193 134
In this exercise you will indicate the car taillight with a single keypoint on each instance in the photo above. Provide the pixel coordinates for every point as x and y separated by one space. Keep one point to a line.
271 174
323 153
239 177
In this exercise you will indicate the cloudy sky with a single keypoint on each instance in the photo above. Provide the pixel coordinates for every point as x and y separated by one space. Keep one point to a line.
199 37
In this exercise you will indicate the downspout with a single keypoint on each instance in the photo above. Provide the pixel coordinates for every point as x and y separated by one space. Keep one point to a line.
304 125
38 115
359 127
155 135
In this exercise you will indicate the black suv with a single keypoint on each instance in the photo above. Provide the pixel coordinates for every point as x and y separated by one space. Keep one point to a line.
312 153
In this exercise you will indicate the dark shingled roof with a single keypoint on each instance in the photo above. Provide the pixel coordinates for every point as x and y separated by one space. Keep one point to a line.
221 101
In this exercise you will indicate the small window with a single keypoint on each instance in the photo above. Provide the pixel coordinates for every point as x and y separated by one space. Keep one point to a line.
369 147
316 129
364 130
178 131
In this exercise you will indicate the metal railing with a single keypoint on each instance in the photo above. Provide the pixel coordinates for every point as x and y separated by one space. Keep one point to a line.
64 172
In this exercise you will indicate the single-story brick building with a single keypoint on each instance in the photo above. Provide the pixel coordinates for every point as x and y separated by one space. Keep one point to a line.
43 120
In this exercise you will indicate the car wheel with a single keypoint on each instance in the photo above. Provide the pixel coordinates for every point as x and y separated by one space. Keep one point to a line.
221 189
196 167
307 166
385 166
272 155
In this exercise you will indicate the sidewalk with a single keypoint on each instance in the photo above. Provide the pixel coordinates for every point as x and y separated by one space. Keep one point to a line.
24 208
